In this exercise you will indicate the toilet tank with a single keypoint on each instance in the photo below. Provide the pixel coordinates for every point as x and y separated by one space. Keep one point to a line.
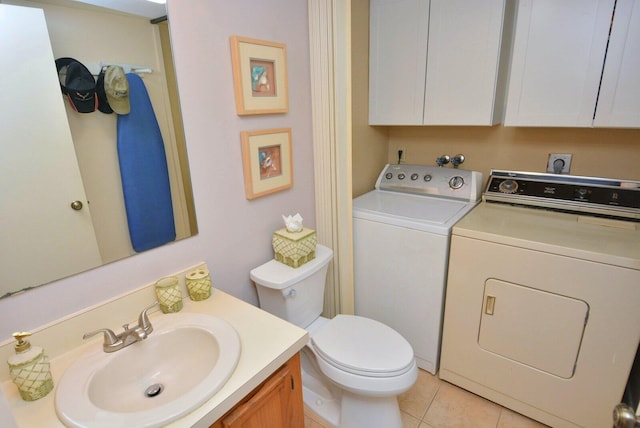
294 294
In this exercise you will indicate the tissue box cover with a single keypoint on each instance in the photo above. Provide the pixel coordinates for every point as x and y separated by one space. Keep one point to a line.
294 248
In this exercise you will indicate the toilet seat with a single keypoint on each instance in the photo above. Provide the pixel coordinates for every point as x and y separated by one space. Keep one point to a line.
363 347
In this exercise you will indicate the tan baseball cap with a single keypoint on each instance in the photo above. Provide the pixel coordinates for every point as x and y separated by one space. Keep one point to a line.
116 87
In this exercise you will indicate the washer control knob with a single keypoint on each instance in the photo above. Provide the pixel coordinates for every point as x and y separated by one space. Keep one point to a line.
456 182
508 186
427 178
414 176
388 176
401 176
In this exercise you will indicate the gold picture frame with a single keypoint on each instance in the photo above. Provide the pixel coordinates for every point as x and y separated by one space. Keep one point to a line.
267 161
259 76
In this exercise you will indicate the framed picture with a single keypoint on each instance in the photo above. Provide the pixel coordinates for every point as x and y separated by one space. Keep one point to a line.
259 76
267 161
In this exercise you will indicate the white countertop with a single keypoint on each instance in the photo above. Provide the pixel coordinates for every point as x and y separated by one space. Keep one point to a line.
267 342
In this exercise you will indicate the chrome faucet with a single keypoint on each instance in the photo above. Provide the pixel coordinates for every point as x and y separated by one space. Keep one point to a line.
113 342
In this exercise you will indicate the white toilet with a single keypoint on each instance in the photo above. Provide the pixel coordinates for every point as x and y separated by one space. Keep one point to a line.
353 368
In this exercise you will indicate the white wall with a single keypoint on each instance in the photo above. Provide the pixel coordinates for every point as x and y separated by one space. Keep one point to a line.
234 233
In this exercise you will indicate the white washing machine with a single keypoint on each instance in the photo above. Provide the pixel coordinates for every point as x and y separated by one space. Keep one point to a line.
542 311
401 243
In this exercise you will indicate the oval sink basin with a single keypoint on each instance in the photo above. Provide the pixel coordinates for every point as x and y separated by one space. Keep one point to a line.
150 383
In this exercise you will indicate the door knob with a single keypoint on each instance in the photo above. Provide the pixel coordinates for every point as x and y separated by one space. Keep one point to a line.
624 417
76 205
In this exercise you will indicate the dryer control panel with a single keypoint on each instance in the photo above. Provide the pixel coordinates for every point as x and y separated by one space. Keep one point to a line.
431 180
585 195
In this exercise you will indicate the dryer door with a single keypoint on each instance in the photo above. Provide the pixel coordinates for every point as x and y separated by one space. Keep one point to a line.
540 329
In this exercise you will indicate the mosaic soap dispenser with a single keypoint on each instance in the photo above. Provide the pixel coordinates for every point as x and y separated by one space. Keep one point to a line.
30 369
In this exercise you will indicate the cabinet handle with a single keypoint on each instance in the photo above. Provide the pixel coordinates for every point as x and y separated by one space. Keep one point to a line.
490 305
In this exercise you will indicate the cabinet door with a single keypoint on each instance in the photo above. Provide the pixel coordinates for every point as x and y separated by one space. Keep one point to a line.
266 408
397 61
619 100
462 62
558 54
277 403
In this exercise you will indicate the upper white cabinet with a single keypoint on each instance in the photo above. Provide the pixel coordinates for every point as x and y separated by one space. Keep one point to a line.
436 62
562 71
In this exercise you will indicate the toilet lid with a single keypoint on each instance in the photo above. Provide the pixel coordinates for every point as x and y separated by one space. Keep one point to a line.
363 346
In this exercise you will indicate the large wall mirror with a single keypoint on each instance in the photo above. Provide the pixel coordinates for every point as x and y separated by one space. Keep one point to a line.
58 162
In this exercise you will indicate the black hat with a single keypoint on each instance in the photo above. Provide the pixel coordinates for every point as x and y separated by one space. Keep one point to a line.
79 85
103 103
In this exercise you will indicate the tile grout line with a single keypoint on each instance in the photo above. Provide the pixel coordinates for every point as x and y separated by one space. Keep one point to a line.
432 399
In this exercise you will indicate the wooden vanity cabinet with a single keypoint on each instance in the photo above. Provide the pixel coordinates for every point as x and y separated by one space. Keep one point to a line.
276 403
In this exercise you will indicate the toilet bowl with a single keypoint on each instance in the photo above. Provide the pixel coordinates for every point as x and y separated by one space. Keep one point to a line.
353 368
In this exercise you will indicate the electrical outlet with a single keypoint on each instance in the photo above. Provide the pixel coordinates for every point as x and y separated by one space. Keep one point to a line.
559 163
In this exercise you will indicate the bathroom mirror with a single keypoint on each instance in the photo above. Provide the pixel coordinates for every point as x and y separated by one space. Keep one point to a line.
95 36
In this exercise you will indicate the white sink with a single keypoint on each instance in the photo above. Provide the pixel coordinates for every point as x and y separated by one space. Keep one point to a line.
150 383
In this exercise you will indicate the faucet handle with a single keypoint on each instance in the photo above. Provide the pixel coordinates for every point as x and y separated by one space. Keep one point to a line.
110 337
457 160
143 319
443 160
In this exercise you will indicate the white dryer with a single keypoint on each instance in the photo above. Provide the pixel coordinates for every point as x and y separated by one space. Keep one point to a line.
542 296
402 231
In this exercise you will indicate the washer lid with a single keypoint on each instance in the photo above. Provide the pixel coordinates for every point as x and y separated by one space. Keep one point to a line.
363 346
426 213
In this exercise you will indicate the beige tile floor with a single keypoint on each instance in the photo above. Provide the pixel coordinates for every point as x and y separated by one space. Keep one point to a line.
434 403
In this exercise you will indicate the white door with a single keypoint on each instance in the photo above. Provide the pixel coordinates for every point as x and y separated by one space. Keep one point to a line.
619 100
38 227
558 52
398 36
462 62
